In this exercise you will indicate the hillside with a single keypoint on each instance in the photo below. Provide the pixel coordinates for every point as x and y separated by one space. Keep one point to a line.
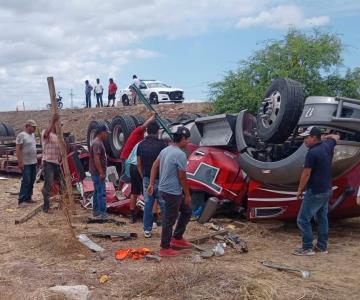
77 120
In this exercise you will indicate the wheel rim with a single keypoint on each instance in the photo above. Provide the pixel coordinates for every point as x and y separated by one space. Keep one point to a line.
118 137
270 109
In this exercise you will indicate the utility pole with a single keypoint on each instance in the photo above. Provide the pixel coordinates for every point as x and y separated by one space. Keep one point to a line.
71 97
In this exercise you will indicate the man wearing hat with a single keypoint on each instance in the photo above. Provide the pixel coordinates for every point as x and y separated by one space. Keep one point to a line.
172 163
97 168
316 179
27 160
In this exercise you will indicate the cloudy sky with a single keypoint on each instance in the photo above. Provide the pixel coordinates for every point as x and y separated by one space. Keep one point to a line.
185 43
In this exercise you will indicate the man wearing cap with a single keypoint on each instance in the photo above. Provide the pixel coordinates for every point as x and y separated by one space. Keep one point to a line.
172 163
51 160
27 160
97 168
316 178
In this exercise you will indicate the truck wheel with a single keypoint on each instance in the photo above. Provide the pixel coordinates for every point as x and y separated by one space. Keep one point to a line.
280 110
3 131
10 131
91 133
154 98
121 127
138 120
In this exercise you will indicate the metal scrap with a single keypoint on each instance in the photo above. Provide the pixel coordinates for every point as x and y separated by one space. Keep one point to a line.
270 264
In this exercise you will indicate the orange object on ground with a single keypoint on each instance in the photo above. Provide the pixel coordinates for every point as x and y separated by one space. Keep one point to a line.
134 254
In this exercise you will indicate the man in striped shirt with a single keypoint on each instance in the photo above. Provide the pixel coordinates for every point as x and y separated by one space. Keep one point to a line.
51 160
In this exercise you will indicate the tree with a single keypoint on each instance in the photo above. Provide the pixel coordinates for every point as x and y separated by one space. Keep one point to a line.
312 59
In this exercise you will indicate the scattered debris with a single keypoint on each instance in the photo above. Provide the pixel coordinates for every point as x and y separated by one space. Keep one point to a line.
205 237
114 235
134 254
231 226
10 210
219 249
207 254
72 292
270 264
103 278
29 215
213 226
153 257
237 243
83 239
102 221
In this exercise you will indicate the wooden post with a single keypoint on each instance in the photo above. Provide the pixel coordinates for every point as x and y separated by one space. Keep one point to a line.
67 197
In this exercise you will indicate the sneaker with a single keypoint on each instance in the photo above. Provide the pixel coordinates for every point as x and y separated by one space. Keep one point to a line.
168 252
318 250
154 226
147 234
302 252
180 243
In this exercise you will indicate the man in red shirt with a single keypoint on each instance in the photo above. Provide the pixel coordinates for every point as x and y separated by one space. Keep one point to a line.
111 92
136 185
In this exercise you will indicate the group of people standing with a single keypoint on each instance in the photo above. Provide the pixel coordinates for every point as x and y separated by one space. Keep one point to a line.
98 91
158 171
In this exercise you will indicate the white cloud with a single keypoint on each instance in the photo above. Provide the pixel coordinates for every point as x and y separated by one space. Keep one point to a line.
283 16
74 39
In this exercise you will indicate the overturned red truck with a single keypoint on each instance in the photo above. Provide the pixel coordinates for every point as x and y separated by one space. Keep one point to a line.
252 164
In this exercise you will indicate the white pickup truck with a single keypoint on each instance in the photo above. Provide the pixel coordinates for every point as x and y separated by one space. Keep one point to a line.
155 91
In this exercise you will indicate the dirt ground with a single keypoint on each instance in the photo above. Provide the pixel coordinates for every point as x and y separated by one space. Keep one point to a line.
76 121
40 253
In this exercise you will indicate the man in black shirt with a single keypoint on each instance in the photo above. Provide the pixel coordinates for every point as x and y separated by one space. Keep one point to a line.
147 152
316 177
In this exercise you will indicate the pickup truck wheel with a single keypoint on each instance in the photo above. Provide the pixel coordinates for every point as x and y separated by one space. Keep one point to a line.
121 128
280 110
125 100
154 99
91 133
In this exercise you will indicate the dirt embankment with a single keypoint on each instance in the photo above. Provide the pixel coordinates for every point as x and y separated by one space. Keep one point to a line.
77 120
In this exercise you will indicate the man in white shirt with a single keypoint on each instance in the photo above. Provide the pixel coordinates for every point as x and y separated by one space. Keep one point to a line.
98 92
27 160
137 82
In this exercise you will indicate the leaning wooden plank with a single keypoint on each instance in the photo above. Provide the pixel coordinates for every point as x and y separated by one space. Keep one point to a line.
203 238
29 215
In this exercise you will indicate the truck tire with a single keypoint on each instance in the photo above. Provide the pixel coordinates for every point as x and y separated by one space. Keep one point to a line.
138 120
3 130
280 110
91 132
121 128
8 129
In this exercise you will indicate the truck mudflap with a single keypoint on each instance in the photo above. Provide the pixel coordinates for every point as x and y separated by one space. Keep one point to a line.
285 171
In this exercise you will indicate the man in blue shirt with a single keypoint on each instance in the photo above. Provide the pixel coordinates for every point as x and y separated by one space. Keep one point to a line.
316 178
172 163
